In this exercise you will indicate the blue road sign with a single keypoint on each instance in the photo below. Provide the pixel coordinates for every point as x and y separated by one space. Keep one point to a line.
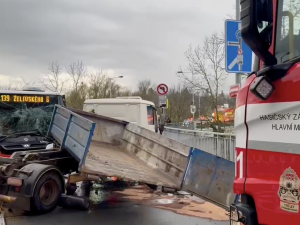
238 55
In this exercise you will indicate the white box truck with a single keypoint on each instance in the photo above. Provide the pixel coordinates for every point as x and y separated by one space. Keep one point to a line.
132 109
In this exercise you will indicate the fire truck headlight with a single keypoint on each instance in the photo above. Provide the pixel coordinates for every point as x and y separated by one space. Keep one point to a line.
262 87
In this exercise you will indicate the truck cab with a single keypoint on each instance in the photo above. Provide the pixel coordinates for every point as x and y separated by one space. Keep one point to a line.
267 117
132 109
25 116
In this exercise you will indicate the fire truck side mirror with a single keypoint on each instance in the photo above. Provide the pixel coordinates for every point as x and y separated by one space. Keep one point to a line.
257 24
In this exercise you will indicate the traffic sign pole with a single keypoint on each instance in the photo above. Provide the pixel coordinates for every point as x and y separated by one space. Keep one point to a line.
162 90
163 101
237 17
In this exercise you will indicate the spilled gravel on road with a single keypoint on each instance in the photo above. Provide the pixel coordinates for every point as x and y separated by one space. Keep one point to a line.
117 194
181 204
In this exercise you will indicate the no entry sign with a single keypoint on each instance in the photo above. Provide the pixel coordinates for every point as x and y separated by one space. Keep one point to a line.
162 89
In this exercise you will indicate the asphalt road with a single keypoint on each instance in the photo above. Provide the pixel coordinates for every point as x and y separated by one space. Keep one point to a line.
125 214
137 205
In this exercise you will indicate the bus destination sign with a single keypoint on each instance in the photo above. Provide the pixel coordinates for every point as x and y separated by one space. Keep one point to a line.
25 98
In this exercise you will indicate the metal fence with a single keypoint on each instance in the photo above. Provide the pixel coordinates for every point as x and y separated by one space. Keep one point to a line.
180 126
219 144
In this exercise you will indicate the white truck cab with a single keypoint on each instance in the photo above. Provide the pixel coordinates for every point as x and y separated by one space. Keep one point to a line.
132 109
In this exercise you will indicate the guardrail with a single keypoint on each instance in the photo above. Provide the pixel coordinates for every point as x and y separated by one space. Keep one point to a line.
219 144
180 126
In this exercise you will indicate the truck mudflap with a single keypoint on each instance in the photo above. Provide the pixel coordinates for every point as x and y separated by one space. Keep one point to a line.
72 131
210 177
241 214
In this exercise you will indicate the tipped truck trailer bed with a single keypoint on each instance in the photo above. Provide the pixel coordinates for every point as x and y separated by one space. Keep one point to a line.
111 160
97 147
110 147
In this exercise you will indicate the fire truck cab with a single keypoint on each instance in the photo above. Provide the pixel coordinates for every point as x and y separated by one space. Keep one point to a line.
267 117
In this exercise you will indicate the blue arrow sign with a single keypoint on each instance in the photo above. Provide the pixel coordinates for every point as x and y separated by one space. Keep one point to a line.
238 55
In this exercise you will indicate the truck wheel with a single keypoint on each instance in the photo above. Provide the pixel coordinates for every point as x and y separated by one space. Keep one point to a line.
47 192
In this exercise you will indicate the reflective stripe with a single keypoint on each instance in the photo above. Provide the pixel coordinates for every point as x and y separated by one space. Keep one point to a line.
274 127
240 127
274 146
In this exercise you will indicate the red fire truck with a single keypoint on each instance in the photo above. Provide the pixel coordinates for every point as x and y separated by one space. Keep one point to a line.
267 117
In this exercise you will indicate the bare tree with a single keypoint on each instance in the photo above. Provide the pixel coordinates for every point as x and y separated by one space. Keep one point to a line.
207 66
77 71
143 87
179 103
76 98
11 86
294 8
99 85
28 82
124 91
53 79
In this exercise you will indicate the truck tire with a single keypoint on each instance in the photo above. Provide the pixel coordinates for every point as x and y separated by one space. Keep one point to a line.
47 193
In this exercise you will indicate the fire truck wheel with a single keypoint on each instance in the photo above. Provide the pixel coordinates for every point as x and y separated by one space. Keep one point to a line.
47 193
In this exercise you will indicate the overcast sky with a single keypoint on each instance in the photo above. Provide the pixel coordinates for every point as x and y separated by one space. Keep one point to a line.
137 39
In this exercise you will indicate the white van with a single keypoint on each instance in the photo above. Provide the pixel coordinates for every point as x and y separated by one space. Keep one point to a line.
132 109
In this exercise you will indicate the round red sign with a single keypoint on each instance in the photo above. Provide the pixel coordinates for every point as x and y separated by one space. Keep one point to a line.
162 89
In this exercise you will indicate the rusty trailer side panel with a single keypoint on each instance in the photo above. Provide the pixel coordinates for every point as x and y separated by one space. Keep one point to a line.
167 155
131 152
211 178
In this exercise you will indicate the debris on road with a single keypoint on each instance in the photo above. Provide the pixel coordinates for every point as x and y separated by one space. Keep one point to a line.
181 204
114 193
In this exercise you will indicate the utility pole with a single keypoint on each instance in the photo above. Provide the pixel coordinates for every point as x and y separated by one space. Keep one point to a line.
110 85
237 17
193 90
110 88
199 105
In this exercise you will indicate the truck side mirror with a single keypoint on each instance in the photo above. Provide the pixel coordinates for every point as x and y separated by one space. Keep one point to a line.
64 100
257 28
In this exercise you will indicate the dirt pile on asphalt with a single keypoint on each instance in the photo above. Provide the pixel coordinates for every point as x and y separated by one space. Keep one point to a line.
181 204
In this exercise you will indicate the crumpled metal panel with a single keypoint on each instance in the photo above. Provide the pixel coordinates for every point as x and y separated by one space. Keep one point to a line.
210 177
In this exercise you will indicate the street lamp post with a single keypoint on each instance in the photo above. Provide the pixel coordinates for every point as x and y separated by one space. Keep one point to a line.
194 124
110 88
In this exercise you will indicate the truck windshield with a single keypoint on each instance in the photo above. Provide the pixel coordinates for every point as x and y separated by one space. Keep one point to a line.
287 46
21 113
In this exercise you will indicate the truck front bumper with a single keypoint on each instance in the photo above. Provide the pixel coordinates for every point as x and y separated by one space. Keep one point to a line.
243 214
